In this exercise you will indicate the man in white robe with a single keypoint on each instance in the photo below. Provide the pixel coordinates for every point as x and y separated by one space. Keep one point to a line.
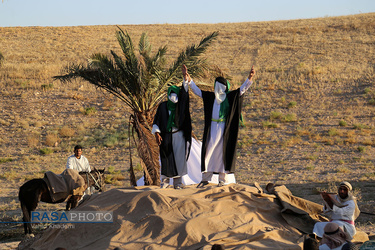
79 162
221 126
343 210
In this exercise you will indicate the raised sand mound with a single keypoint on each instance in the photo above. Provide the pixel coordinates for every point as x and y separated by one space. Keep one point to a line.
237 216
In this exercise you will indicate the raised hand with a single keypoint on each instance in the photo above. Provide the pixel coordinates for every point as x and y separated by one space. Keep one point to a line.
185 73
252 73
158 138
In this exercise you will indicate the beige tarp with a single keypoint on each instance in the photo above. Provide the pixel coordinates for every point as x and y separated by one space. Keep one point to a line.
237 216
62 185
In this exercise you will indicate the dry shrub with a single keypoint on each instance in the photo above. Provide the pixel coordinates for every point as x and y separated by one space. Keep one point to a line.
77 96
328 140
38 124
117 115
302 131
33 140
292 141
66 131
24 124
352 137
52 140
368 142
4 122
107 103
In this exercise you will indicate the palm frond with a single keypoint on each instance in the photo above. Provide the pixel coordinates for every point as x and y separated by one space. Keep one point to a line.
144 45
189 57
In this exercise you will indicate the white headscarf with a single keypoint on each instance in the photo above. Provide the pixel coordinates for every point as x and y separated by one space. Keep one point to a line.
350 197
220 94
173 97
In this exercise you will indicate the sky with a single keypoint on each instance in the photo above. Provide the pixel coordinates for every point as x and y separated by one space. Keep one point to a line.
111 12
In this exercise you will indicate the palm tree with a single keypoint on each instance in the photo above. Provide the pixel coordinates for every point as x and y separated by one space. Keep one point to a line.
140 81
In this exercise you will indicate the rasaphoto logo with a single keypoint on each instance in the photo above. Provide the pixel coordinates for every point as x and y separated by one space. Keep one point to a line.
71 217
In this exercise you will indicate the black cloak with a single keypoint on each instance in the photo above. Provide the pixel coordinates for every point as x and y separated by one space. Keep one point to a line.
230 131
183 122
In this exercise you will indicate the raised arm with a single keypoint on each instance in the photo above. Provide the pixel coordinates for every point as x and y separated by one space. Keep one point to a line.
246 85
190 82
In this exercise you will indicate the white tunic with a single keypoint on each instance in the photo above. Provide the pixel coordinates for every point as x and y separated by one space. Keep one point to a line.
81 164
214 152
339 216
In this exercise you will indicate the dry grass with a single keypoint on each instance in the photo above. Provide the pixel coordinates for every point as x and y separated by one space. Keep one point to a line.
309 117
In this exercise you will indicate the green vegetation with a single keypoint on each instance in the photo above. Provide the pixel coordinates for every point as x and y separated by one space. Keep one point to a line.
359 126
343 123
90 111
332 132
268 124
292 104
361 149
46 151
7 159
290 117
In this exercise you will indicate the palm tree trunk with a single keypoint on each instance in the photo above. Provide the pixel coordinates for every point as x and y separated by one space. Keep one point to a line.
147 148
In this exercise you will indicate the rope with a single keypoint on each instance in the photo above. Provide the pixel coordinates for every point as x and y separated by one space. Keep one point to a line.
96 183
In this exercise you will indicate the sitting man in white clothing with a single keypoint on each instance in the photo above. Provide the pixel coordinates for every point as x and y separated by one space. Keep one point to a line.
80 163
341 209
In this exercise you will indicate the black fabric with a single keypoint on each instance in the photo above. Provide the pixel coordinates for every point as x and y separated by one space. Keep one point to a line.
221 80
183 122
183 118
231 127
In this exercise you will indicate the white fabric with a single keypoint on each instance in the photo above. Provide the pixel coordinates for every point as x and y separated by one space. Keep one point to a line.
173 97
155 129
214 153
81 164
245 86
185 85
194 175
219 91
337 215
178 144
195 88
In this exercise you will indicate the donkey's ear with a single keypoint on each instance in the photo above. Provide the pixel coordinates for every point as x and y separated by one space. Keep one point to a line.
95 169
101 170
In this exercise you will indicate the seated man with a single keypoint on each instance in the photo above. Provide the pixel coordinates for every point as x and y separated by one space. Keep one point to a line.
341 209
77 161
334 237
80 163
